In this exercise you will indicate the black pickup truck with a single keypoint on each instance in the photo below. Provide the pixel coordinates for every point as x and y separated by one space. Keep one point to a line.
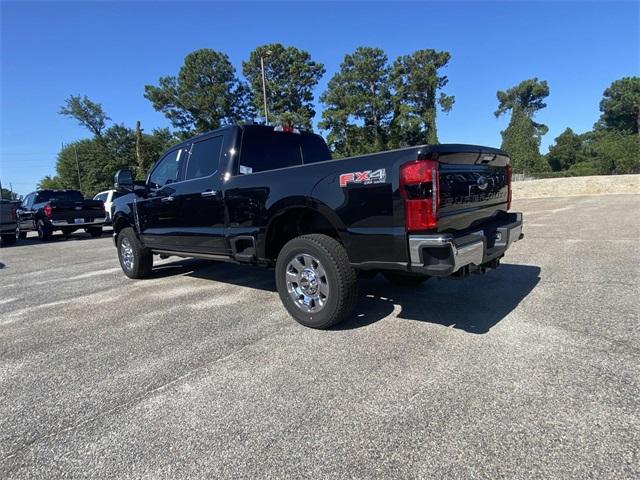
46 211
272 196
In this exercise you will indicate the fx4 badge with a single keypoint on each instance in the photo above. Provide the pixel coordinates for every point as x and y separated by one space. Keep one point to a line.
366 177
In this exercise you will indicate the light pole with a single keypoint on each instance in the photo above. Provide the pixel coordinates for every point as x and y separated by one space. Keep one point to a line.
264 87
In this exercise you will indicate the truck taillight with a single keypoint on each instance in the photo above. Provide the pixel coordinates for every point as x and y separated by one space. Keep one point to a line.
48 211
509 175
14 213
419 186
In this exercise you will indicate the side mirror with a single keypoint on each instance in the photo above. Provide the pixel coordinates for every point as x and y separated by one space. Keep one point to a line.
123 180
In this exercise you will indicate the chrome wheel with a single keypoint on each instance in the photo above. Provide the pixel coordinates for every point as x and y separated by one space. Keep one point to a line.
126 254
307 283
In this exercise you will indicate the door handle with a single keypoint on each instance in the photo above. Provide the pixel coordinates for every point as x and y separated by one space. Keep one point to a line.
166 199
209 193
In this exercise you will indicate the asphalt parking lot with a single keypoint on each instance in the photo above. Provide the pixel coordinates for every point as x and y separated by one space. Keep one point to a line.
531 371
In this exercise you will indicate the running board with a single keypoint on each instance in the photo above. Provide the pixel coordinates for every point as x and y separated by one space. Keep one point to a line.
206 256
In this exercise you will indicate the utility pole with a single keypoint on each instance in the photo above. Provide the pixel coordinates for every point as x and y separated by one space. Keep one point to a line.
75 149
139 145
11 191
264 87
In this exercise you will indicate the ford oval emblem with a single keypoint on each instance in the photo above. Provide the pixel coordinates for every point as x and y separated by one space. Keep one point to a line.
482 183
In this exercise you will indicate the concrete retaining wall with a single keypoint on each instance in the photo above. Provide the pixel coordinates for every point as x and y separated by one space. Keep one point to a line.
572 186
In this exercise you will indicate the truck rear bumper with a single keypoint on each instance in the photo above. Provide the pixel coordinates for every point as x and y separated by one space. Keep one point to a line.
441 255
71 223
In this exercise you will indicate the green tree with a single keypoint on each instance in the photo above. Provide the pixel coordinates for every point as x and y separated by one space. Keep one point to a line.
521 138
6 194
521 142
50 183
205 95
91 172
611 151
416 82
620 106
290 77
565 151
88 114
358 103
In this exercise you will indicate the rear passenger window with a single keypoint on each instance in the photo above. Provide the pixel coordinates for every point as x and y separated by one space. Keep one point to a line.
267 150
204 158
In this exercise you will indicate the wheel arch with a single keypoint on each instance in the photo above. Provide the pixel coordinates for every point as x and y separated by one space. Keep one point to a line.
120 221
295 220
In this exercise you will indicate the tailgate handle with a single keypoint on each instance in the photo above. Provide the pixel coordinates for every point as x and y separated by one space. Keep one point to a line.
209 193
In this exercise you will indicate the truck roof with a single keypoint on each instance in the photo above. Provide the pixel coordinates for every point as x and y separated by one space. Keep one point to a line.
246 126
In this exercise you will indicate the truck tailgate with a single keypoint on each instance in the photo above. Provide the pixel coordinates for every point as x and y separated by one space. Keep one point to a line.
474 187
69 210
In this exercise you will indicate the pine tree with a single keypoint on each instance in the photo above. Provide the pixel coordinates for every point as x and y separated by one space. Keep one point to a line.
521 139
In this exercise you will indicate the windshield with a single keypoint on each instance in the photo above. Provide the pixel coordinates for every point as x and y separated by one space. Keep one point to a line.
61 196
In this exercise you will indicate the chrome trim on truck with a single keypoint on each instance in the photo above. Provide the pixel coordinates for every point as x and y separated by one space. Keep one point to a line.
469 253
65 223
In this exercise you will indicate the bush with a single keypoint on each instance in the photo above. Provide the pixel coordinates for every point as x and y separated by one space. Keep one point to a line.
583 169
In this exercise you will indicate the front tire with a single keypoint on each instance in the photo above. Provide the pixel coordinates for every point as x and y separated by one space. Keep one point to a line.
315 281
405 279
136 260
8 238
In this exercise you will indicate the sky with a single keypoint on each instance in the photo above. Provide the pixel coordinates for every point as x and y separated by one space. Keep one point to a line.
110 50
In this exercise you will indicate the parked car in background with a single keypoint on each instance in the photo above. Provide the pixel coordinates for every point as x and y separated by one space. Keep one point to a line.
273 197
46 211
107 197
8 222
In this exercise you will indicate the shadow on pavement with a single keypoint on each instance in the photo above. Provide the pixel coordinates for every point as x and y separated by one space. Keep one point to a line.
474 305
232 273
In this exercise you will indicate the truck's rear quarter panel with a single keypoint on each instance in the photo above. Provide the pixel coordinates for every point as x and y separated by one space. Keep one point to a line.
372 214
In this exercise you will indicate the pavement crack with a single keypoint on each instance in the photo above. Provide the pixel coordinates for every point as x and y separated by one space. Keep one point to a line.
144 395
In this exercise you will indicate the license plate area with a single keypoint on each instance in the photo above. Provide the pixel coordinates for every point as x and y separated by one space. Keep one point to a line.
79 220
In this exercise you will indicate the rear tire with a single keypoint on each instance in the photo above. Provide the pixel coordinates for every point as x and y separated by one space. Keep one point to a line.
8 238
315 281
44 231
94 231
136 260
66 232
405 279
